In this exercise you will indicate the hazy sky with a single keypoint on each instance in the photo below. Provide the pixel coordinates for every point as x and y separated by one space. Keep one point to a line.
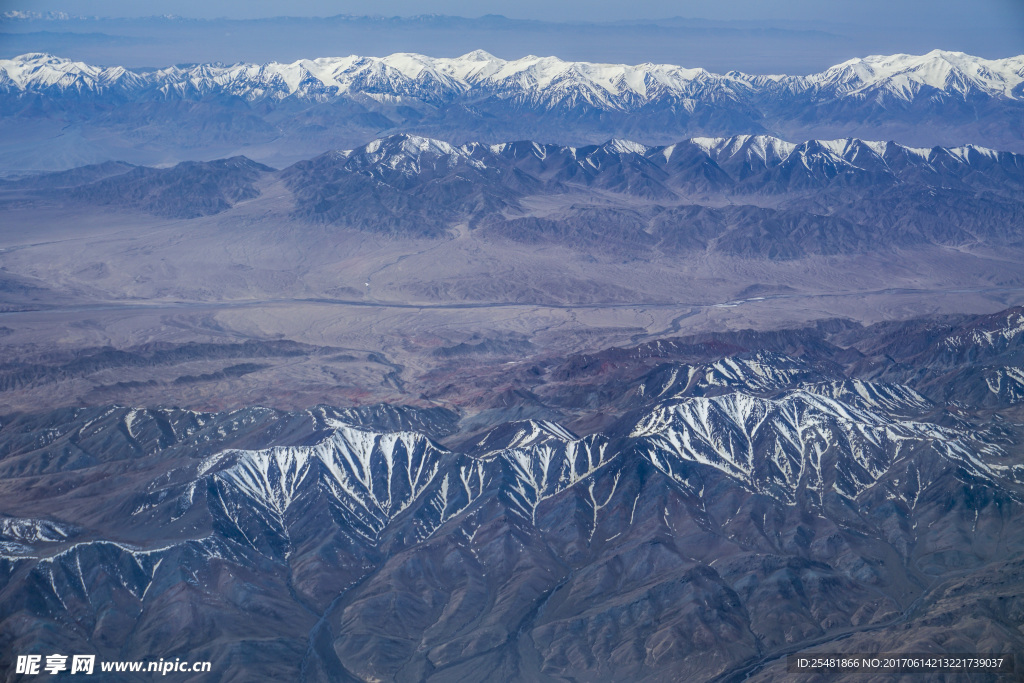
926 14
801 36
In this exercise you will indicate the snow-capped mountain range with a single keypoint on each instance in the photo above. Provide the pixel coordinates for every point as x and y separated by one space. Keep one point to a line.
734 491
544 81
287 111
738 157
795 445
349 524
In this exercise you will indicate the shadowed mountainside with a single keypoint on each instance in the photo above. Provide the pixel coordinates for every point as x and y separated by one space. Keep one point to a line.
750 196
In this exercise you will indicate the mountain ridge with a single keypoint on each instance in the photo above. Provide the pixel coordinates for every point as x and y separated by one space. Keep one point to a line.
278 113
755 495
900 76
750 195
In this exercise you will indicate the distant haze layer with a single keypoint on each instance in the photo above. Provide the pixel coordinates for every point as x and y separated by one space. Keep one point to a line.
744 40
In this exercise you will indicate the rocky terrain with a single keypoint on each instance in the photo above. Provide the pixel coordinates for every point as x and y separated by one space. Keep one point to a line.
412 268
546 371
749 196
750 495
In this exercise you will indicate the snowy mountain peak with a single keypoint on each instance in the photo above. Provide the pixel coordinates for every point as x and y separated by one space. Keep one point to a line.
617 146
903 75
776 446
409 155
764 148
479 56
410 145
